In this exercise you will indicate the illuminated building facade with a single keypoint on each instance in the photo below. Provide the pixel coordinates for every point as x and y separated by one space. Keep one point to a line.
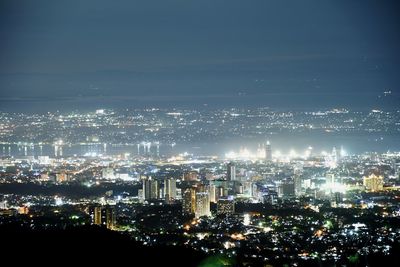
231 172
189 201
104 216
373 183
169 189
225 206
202 204
150 189
268 151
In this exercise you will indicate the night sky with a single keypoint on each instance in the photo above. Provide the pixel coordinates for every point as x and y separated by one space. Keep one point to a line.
282 54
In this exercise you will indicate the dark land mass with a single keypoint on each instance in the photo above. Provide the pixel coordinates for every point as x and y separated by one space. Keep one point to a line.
70 190
95 245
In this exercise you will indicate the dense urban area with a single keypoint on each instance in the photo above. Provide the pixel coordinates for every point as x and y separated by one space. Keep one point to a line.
119 171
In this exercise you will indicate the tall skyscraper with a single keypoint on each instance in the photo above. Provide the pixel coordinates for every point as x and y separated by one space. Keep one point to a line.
97 215
155 192
213 191
202 204
104 216
140 195
268 151
170 189
297 185
110 217
146 189
231 172
150 189
189 201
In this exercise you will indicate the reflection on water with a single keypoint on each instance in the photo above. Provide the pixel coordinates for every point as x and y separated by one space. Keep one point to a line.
353 144
81 150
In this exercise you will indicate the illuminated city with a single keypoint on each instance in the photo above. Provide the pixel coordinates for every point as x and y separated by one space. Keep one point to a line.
251 202
176 136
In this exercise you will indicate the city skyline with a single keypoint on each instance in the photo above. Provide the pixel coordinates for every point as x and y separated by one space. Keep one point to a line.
200 133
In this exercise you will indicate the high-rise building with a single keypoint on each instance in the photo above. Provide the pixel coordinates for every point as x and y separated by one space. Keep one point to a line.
248 188
189 201
178 193
225 206
222 191
338 197
231 172
213 191
146 189
202 204
110 217
330 179
150 189
286 188
373 182
395 168
297 185
97 215
169 189
155 192
104 216
140 195
268 151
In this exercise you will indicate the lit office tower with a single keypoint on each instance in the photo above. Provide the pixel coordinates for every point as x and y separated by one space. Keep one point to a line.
170 189
231 172
202 205
268 151
150 189
373 183
225 206
189 201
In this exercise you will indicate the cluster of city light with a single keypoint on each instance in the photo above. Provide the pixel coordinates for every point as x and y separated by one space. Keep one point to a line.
247 154
334 188
243 153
